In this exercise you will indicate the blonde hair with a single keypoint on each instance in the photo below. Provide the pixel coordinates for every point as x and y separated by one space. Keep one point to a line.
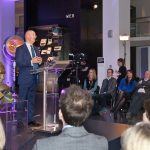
2 136
94 74
136 137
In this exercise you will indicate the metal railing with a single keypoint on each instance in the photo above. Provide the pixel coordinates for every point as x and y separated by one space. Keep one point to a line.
141 27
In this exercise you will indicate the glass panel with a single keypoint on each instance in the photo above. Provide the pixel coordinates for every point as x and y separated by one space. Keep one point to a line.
11 114
140 29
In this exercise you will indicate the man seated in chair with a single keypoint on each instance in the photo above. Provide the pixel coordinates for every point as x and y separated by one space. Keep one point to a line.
75 107
141 94
108 89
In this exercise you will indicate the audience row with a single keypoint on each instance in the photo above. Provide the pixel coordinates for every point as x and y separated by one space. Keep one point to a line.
118 91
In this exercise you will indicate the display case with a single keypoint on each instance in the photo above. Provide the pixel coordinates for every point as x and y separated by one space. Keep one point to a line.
51 40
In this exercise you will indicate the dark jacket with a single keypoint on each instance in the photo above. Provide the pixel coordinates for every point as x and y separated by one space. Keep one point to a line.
23 62
123 71
110 88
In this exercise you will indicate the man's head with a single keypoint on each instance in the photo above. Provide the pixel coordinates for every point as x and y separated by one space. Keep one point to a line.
30 36
147 75
75 106
110 72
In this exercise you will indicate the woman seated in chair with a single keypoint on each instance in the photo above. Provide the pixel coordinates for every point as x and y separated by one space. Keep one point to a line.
125 90
90 83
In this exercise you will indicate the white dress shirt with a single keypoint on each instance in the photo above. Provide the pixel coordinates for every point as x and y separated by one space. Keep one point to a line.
29 48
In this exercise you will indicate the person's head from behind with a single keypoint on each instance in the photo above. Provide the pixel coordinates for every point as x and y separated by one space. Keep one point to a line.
110 73
30 36
2 136
120 62
147 75
92 74
136 137
75 106
146 114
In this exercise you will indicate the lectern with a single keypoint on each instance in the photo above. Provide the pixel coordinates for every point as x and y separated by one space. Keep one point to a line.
57 67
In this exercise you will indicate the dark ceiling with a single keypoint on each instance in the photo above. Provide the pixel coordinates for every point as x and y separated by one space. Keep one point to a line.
88 4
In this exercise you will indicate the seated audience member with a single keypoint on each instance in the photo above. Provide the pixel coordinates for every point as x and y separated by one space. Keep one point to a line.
2 136
75 107
146 114
122 70
90 83
136 137
125 90
142 93
108 89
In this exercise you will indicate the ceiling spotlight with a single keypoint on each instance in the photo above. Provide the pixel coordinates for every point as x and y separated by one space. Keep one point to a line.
95 6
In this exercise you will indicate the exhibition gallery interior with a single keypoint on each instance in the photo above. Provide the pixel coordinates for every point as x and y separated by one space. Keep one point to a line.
74 74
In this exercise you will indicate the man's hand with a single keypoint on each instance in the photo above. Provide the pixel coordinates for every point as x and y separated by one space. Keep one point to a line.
39 60
36 60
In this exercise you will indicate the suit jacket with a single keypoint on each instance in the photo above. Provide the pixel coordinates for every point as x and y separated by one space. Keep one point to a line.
23 62
112 83
74 138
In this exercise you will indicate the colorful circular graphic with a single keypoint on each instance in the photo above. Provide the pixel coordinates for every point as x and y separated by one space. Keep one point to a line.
12 43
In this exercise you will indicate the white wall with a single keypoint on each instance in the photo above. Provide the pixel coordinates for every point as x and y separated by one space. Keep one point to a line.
143 8
7 28
111 22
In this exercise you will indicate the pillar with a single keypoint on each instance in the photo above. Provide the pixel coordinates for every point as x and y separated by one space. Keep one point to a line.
7 29
116 22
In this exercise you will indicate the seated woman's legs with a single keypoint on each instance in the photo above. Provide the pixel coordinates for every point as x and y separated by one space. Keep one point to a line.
118 100
122 97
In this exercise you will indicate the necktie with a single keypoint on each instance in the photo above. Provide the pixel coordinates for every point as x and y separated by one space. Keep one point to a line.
32 51
35 66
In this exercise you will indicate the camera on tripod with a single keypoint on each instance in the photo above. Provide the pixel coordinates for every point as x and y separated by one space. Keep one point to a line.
78 59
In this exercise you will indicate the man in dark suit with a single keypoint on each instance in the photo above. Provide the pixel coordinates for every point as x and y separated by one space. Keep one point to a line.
27 59
141 94
108 89
75 107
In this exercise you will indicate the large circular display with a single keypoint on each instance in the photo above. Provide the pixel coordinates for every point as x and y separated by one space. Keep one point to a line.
12 43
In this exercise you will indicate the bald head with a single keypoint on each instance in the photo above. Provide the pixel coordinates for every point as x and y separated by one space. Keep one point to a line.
147 75
30 36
